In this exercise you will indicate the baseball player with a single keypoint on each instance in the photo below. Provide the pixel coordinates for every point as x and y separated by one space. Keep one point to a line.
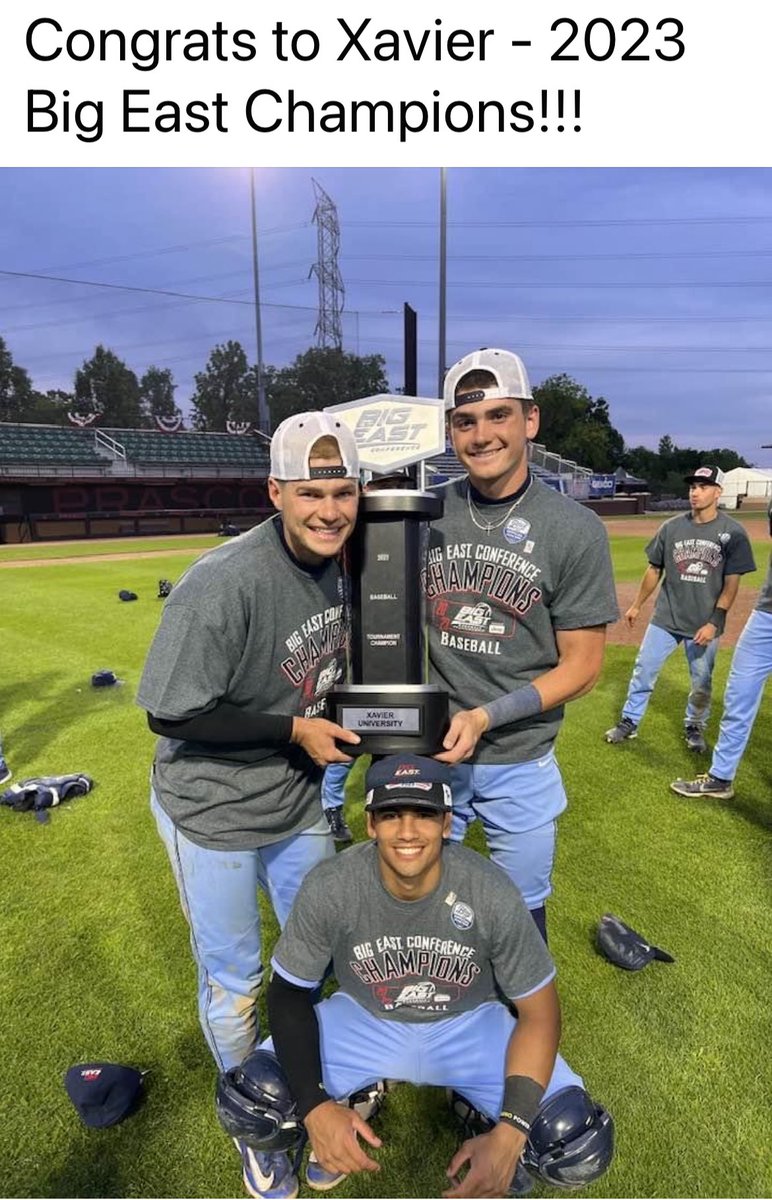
251 639
750 669
425 940
519 589
699 556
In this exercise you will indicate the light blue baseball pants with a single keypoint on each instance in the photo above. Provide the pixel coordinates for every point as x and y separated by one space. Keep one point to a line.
750 669
465 1052
334 784
517 804
657 645
219 895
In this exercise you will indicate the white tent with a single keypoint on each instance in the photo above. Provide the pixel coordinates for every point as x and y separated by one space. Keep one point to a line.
746 483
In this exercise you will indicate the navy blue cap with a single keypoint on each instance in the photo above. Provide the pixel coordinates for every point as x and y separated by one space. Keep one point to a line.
104 679
408 780
626 948
125 594
103 1093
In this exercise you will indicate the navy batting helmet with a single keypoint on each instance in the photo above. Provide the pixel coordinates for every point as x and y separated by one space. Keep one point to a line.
571 1140
254 1103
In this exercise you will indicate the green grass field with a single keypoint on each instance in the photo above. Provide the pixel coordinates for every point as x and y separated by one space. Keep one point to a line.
64 550
94 957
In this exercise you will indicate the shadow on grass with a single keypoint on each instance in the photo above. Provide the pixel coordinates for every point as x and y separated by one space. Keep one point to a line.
57 707
93 1167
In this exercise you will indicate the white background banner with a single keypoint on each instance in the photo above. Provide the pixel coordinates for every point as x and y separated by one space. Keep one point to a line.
665 83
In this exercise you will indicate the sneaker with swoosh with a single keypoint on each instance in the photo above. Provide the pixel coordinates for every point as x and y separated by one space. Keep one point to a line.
318 1178
267 1175
704 785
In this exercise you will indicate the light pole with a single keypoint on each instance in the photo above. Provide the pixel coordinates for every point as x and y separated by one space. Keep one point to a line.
443 281
263 420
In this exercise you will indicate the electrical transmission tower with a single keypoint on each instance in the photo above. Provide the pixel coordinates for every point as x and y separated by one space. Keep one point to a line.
332 293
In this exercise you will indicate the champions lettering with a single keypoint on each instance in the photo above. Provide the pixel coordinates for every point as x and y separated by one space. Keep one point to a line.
311 648
268 111
445 968
504 584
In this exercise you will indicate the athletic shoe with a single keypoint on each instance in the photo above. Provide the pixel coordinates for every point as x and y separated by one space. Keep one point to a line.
522 1181
625 731
5 771
704 785
339 828
267 1175
318 1178
695 739
366 1103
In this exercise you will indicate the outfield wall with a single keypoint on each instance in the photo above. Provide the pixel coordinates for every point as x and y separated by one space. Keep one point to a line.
82 507
49 510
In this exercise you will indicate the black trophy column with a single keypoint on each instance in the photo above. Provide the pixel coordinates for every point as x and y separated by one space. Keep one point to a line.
388 704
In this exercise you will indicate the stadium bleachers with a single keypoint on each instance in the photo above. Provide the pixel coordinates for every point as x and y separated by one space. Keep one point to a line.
65 446
48 444
145 446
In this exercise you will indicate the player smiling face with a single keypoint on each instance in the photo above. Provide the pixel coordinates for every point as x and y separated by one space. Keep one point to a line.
490 439
409 842
318 515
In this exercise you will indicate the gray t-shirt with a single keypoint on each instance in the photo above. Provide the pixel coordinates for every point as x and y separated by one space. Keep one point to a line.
496 600
696 560
244 623
414 960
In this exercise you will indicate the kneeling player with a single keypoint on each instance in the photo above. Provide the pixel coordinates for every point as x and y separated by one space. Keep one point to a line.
420 934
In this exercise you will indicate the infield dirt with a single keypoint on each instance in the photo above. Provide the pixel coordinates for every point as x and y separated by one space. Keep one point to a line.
618 634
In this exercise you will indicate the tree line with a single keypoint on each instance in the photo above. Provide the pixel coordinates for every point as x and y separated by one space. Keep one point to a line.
574 424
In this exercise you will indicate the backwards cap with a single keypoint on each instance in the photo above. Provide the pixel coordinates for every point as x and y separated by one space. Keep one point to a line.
294 439
506 368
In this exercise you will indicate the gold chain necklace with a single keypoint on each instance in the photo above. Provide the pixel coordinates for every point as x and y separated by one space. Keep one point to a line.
489 526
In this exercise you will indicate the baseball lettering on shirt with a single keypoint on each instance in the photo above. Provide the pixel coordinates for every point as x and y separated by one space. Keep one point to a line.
477 593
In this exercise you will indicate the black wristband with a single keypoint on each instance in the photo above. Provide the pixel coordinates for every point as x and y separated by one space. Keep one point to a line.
718 618
522 1097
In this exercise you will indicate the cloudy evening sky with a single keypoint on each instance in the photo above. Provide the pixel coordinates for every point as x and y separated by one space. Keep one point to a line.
652 287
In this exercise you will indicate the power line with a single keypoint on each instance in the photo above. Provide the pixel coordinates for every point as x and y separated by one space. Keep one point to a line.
642 347
570 224
600 319
177 249
657 255
565 286
124 287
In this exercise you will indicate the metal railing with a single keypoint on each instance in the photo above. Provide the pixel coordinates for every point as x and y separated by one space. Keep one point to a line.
103 441
577 479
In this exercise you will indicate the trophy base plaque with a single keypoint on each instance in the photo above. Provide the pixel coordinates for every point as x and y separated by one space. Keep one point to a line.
391 718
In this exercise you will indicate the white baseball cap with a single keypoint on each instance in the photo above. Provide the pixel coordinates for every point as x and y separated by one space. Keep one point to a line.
507 369
294 439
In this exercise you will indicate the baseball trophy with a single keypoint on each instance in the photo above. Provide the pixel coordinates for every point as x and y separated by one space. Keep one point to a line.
388 703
